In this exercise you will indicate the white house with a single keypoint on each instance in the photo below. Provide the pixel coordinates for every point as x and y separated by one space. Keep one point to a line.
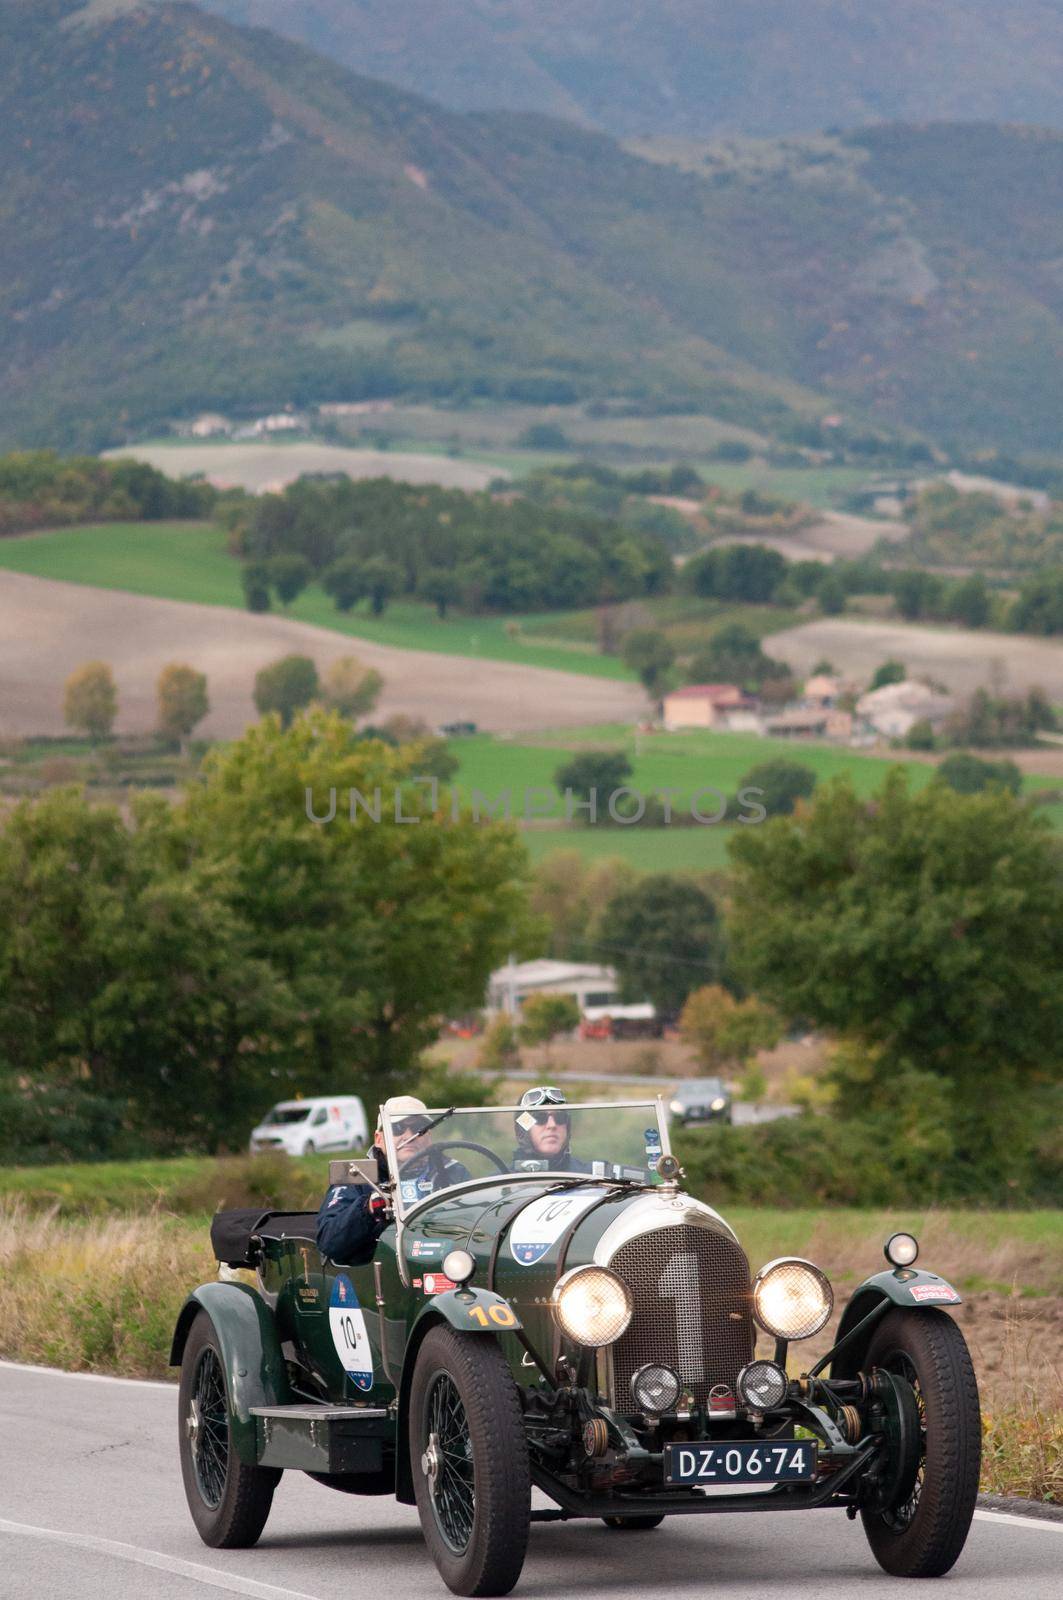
894 709
591 986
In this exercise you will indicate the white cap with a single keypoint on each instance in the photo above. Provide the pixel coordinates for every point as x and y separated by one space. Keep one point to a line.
403 1105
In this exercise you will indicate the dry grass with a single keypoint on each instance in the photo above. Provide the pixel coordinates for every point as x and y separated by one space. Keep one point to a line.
99 1296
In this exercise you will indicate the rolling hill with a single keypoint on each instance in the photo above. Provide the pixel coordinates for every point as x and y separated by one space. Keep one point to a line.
699 68
195 215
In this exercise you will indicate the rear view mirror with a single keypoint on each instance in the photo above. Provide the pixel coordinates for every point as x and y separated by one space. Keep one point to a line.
360 1171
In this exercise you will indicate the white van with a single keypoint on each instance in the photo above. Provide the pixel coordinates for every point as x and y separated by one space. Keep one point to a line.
302 1127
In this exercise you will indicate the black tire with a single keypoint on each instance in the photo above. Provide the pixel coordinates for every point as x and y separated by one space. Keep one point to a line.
229 1500
469 1456
633 1524
310 1148
923 1537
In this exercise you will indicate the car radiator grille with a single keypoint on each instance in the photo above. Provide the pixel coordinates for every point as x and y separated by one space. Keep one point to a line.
692 1309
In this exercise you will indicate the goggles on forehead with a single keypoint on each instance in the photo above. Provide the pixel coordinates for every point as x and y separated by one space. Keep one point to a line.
548 1096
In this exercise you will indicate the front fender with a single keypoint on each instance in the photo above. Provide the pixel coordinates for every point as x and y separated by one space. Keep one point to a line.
467 1311
909 1287
255 1374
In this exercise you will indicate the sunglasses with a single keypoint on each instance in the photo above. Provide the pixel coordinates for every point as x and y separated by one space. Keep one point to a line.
543 1117
544 1097
411 1126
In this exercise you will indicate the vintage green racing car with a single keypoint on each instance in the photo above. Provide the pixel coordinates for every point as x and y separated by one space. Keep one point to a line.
590 1334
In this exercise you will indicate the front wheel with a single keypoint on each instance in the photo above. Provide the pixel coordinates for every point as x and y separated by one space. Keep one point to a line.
469 1456
633 1524
922 1536
228 1499
309 1148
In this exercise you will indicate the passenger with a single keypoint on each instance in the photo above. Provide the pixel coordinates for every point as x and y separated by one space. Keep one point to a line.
353 1216
543 1132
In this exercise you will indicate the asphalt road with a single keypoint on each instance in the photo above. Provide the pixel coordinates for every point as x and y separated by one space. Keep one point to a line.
91 1505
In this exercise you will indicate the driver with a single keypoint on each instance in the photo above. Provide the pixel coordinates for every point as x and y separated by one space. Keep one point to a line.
352 1216
543 1131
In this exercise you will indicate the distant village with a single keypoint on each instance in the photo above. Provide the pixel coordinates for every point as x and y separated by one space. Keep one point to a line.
829 708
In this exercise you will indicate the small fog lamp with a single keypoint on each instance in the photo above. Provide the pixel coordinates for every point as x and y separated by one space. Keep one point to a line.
592 1305
655 1389
458 1266
792 1299
763 1385
901 1249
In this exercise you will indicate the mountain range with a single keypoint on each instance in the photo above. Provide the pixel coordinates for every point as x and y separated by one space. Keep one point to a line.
199 215
699 68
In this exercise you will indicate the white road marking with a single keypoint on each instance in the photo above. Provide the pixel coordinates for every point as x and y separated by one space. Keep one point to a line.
1020 1522
91 1377
154 1558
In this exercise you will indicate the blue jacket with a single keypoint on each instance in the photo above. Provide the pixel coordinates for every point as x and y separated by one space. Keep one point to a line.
347 1231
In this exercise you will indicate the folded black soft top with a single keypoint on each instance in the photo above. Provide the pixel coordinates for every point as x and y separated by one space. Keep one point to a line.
232 1232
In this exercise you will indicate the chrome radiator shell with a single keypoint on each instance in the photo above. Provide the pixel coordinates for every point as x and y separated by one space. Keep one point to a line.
690 1282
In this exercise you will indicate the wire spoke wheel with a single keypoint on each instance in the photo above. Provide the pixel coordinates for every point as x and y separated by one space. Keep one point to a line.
901 1516
922 1535
208 1424
469 1456
454 1483
229 1498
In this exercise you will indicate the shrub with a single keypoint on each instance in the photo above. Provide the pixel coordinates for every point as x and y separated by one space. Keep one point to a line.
90 699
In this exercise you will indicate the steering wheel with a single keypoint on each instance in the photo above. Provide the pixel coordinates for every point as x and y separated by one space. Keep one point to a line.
467 1144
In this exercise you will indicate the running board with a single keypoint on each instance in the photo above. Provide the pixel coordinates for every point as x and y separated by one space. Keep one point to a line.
330 1439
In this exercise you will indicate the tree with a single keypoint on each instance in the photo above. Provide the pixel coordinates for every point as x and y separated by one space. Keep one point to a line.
783 783
664 937
352 688
286 687
378 928
831 595
544 1016
382 579
888 672
649 654
90 699
927 927
970 602
499 1047
921 736
969 774
441 587
127 980
255 578
289 575
344 582
597 773
725 1033
734 655
181 695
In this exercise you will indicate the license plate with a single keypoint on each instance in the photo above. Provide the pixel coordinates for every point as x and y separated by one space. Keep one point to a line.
741 1461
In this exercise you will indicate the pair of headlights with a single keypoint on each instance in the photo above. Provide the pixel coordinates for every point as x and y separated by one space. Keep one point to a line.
792 1299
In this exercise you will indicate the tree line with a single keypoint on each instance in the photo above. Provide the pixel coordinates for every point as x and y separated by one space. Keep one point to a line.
41 489
374 540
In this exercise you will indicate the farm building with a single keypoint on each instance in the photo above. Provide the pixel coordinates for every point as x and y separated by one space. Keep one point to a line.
704 705
893 710
590 985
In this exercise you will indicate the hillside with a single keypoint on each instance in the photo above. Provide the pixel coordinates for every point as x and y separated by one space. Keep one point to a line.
699 67
197 215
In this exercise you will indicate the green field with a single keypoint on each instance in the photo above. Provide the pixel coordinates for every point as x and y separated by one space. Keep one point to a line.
189 561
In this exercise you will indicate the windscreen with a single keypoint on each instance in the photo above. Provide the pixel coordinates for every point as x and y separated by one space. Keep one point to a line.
282 1114
434 1150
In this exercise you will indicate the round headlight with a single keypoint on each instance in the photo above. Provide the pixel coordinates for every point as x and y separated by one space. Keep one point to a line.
901 1249
792 1299
592 1305
676 1107
655 1388
458 1265
763 1385
718 1104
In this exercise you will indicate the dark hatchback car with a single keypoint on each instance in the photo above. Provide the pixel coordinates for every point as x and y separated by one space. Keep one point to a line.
701 1100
